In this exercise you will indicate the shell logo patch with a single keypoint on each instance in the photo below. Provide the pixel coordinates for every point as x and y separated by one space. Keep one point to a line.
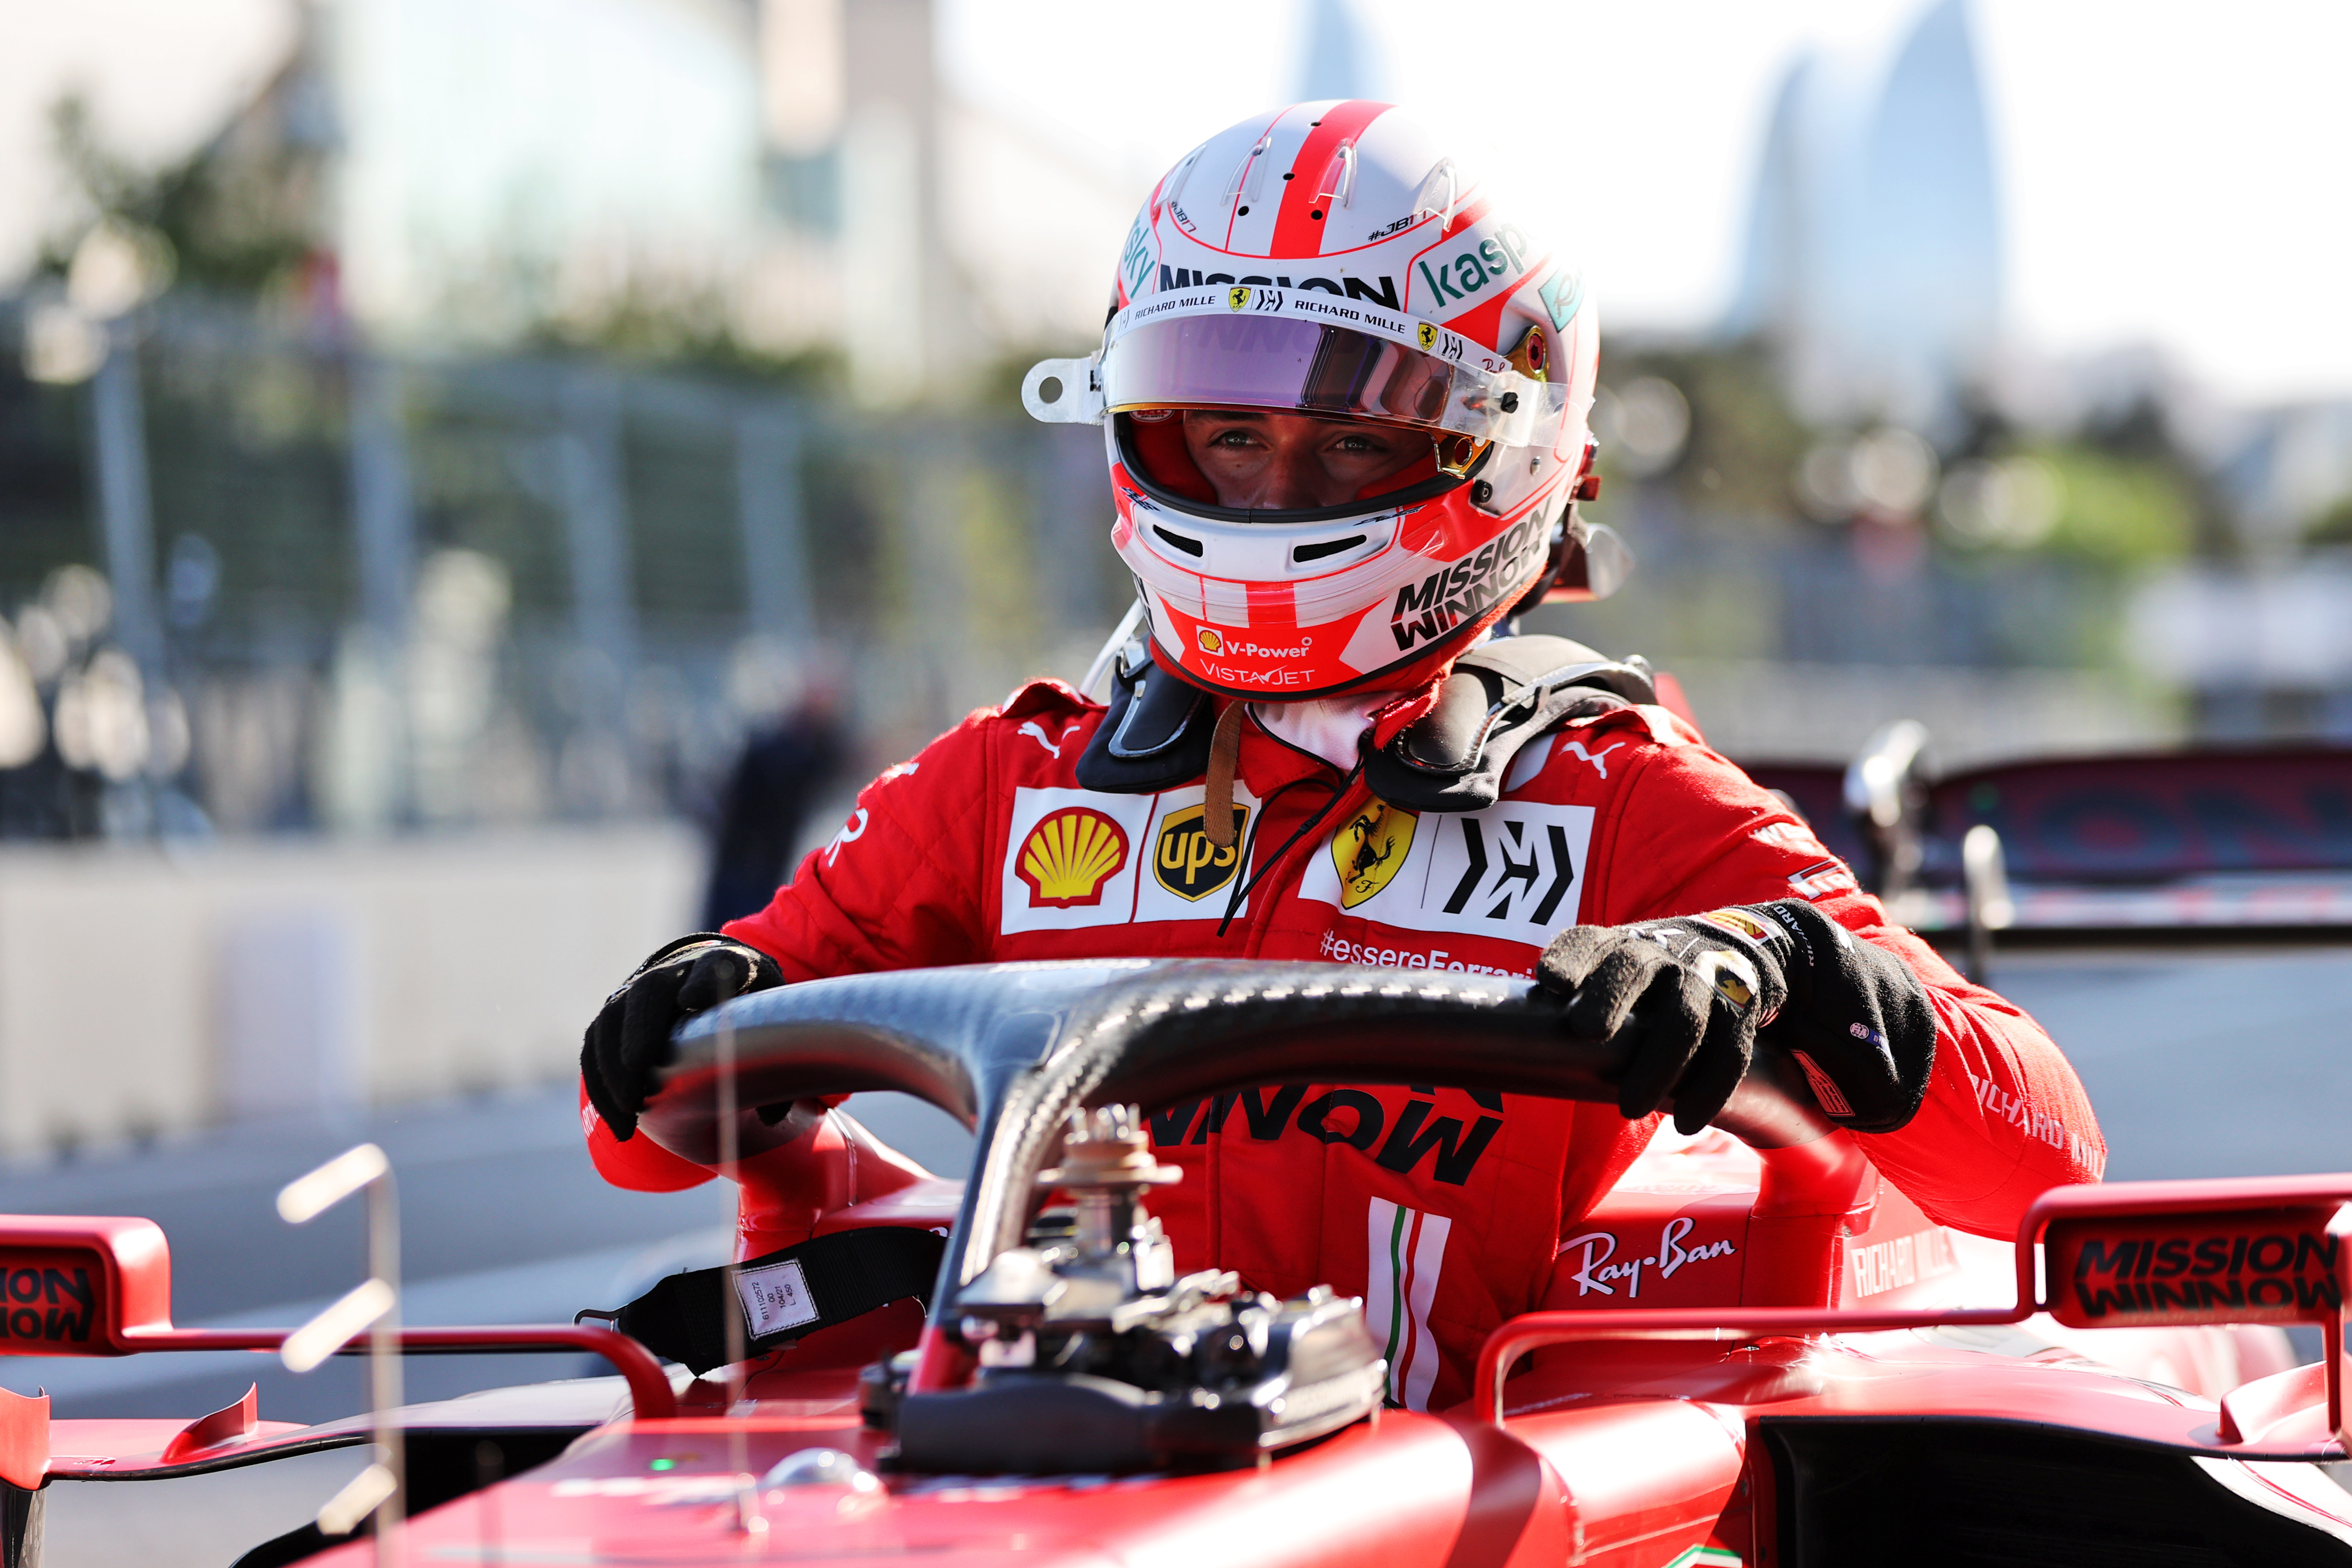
1186 863
1210 641
1068 857
1369 849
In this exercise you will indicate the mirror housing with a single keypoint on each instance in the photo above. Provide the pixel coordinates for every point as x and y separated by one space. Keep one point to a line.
75 1285
2242 1265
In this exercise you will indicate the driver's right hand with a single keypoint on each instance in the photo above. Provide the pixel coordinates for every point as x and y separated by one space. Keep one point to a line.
629 1043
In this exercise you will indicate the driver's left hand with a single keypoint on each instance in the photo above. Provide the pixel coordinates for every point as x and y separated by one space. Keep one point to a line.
1690 995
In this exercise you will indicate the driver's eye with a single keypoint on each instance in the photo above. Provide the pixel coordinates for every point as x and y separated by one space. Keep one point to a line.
1233 438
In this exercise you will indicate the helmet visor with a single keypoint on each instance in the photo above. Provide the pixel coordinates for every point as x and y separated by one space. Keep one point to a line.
1276 364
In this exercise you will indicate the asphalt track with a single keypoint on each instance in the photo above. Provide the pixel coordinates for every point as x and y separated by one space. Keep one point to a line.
2227 1062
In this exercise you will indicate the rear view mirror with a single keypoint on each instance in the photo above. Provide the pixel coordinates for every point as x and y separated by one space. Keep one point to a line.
2247 1266
2272 1249
77 1286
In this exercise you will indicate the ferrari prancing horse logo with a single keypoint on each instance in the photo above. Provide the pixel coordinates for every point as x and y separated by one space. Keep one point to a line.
1369 849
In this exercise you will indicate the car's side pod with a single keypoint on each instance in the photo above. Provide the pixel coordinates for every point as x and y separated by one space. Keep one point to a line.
2265 1249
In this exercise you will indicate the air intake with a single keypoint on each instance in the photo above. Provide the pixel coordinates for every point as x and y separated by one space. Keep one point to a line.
1303 554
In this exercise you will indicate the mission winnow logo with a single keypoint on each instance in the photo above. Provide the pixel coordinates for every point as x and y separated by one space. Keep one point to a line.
1467 589
2284 1273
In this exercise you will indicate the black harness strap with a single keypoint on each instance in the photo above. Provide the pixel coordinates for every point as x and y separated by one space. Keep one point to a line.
783 1296
1500 696
1155 737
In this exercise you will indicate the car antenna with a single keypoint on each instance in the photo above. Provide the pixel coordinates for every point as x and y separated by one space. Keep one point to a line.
374 1308
748 1520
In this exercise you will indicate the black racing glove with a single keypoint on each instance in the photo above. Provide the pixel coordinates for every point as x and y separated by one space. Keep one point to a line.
629 1042
1696 992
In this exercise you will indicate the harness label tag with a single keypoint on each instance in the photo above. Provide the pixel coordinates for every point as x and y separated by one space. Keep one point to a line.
776 1298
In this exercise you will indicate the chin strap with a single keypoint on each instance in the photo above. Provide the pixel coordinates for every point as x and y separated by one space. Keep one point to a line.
1217 790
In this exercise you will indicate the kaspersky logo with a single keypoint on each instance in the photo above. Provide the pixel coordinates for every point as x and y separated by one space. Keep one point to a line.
1473 266
1135 257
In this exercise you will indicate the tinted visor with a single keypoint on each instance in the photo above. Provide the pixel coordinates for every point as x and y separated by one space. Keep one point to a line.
1276 362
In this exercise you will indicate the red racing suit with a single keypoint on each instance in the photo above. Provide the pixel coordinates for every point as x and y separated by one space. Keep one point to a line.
1443 1207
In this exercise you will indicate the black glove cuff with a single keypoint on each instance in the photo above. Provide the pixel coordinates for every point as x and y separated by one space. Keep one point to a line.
1857 1019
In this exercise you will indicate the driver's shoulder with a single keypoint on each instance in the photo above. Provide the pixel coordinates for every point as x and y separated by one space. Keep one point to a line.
1604 756
1040 729
1651 777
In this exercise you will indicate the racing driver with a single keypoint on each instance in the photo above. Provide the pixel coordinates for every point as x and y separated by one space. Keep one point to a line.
1344 398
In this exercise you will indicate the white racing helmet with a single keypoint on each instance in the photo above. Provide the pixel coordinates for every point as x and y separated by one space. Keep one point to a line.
1330 260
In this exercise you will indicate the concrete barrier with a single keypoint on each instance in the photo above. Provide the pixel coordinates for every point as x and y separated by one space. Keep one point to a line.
145 992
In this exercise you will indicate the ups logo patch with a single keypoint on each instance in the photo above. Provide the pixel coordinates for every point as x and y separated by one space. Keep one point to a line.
1185 862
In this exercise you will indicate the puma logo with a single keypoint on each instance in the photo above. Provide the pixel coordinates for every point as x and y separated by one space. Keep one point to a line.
1033 730
1599 760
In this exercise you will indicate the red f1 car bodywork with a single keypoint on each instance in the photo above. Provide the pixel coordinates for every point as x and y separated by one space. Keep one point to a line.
1753 1352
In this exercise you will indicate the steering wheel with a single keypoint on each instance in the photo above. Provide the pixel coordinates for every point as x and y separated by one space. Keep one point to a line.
1011 1050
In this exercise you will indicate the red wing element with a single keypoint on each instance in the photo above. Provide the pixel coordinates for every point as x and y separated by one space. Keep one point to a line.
23 1439
232 1424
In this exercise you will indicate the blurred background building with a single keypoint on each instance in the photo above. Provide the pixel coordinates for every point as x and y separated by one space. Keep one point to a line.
434 437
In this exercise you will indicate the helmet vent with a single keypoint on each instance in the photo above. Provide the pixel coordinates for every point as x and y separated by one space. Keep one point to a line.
1189 546
1317 551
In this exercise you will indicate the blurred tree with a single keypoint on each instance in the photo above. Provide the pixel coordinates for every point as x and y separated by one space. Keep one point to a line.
2332 526
2120 509
241 213
2140 433
1744 439
650 321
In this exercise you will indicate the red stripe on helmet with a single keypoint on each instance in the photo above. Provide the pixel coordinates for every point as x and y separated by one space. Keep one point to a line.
1468 212
1234 208
1295 233
1272 604
1485 325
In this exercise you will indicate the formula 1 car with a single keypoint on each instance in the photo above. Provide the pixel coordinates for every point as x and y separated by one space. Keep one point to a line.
2187 844
1754 1353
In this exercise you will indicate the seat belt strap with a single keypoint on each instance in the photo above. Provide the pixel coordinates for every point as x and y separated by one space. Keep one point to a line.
782 1297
